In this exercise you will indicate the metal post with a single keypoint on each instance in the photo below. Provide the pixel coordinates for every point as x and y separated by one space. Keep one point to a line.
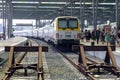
95 2
82 9
74 8
81 14
3 17
94 14
96 11
117 15
9 10
71 3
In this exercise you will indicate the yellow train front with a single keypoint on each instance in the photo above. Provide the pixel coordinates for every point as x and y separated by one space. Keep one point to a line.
63 30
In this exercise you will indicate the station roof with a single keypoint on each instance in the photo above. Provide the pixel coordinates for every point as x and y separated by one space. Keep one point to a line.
49 9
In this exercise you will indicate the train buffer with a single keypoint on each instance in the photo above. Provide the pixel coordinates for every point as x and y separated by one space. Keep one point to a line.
13 66
109 63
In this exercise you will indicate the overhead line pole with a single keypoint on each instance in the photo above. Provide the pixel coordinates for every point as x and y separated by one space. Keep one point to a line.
9 13
81 14
3 19
117 13
95 3
71 3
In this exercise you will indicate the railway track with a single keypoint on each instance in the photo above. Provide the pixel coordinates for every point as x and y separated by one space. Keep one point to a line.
18 68
4 63
30 58
56 67
93 74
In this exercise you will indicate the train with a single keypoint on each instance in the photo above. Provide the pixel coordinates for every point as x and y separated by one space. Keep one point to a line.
62 30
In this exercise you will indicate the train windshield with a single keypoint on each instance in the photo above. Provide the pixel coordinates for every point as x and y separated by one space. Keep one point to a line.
62 23
67 23
73 23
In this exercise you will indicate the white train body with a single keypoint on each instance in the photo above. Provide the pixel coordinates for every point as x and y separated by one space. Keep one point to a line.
35 33
63 30
40 33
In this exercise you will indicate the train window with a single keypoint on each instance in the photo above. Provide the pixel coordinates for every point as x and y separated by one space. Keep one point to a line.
73 23
62 23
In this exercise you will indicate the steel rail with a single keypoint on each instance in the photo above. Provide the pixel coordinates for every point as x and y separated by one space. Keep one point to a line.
7 74
40 74
17 64
77 66
83 69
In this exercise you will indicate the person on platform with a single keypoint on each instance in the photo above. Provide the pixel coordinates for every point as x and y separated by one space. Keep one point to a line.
93 35
114 32
98 35
118 37
103 36
86 35
89 36
112 40
107 37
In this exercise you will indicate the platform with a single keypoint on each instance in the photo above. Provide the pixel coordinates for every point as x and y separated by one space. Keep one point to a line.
11 42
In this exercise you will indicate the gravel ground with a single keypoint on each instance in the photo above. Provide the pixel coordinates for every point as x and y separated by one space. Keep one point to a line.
61 69
30 58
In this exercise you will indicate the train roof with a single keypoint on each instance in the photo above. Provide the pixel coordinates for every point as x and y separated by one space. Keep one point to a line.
63 17
66 17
